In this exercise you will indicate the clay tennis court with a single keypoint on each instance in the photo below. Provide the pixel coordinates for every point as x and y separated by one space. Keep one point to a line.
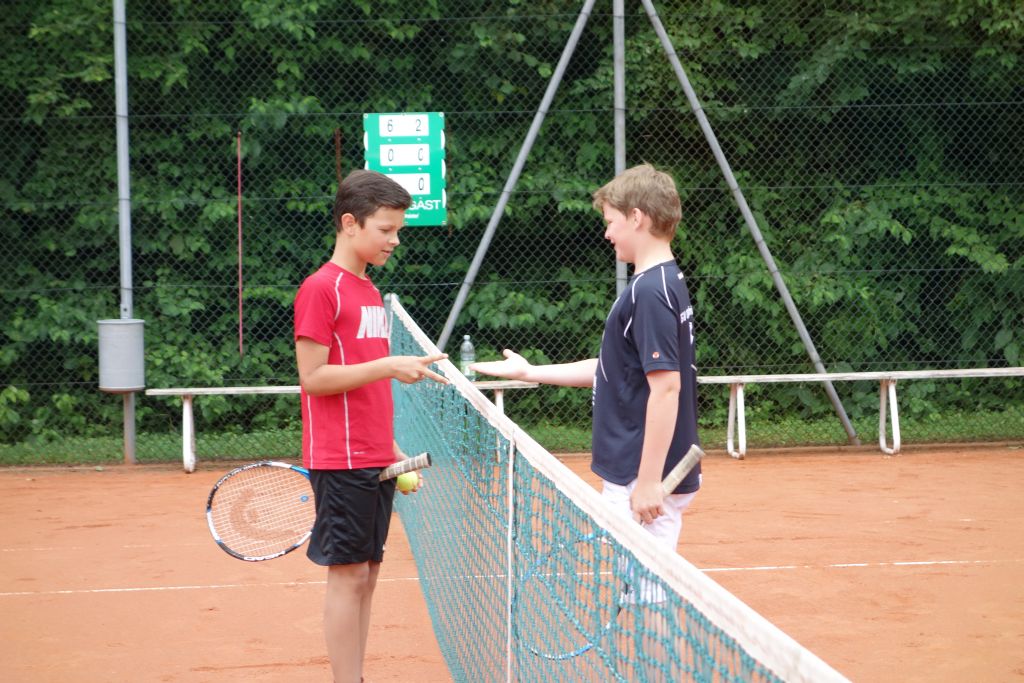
890 569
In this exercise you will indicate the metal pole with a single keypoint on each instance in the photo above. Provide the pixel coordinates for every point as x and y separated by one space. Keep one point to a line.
124 205
517 169
619 70
748 217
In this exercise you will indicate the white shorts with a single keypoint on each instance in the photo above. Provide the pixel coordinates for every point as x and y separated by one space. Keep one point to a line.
665 529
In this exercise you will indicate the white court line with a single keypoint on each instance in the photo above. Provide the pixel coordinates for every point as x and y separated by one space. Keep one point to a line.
211 586
60 548
855 565
153 589
709 570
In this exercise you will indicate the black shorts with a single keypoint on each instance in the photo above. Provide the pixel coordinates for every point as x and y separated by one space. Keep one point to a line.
353 513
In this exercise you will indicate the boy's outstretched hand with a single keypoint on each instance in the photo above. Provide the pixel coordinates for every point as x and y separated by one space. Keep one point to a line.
513 367
411 369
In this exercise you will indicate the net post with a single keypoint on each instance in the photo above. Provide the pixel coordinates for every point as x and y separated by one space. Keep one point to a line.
509 540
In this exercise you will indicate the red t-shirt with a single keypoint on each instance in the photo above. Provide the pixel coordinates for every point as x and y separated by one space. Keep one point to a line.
353 429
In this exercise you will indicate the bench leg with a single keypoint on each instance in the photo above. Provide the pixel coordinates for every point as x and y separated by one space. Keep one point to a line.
887 390
738 418
188 435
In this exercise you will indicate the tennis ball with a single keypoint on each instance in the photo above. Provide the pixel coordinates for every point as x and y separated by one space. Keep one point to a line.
407 482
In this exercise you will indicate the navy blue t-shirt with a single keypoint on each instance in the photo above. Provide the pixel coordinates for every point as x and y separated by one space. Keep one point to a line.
650 327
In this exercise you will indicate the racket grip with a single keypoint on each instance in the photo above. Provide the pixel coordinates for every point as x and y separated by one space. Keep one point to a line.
682 468
417 462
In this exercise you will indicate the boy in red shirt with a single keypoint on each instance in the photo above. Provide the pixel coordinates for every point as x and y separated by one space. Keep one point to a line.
342 352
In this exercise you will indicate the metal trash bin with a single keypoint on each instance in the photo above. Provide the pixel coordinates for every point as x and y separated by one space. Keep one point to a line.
122 365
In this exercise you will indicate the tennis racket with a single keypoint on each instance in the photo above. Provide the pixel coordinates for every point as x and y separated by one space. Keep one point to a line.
574 592
265 509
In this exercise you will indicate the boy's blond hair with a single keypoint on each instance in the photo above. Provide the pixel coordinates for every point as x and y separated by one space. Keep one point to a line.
648 189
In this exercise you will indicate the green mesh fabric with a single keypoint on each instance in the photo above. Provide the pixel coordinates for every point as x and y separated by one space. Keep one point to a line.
525 576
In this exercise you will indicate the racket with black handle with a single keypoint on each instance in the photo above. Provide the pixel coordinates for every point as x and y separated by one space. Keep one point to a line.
265 509
569 597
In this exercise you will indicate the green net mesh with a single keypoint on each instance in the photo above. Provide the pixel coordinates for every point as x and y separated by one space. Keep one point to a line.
528 577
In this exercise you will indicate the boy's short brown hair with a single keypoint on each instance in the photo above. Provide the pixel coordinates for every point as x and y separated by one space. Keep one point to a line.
362 192
648 189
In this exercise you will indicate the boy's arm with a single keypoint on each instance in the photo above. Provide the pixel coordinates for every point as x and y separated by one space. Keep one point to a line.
659 426
318 377
399 453
578 374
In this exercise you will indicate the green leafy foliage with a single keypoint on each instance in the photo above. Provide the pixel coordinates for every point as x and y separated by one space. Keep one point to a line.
877 143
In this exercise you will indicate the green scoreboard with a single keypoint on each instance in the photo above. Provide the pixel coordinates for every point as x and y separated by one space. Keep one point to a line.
409 149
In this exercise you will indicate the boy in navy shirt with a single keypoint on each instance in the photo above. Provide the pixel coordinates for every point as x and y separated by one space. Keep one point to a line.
645 378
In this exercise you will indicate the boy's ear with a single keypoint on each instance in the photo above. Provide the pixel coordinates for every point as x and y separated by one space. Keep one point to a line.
348 224
637 216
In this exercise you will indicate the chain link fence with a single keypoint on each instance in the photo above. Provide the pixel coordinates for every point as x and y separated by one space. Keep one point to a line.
879 149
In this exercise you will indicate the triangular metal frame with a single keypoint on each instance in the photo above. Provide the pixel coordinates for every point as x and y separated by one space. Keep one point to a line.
618 19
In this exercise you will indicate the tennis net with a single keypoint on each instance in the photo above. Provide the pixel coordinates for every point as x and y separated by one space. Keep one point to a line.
528 577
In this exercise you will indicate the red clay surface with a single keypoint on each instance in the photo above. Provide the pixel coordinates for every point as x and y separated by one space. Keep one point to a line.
890 569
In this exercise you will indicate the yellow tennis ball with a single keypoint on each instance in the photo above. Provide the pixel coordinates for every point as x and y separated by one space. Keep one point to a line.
408 481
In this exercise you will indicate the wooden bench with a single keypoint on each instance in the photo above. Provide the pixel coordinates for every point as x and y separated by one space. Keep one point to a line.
886 395
188 394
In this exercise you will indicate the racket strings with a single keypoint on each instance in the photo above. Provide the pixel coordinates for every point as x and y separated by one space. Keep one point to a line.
263 510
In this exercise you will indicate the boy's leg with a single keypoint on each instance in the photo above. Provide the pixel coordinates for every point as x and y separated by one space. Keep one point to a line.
347 613
364 633
647 601
353 517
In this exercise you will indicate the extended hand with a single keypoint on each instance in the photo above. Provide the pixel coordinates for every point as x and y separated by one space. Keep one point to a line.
513 367
411 369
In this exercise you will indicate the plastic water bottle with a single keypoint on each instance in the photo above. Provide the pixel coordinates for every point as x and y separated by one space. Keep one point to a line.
467 355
